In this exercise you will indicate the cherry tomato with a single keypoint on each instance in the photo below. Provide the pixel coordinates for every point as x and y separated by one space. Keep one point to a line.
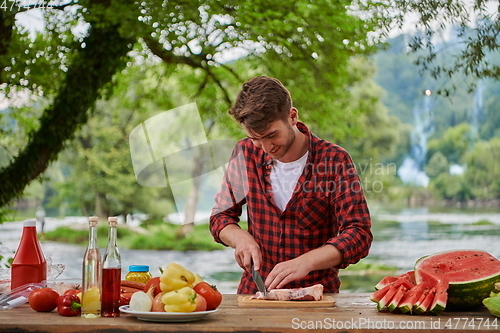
210 294
43 299
201 303
156 282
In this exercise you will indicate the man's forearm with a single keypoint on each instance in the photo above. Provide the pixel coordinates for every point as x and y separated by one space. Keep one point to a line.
231 233
323 257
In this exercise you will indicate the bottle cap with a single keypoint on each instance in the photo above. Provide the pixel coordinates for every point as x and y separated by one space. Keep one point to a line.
29 223
138 268
93 220
112 220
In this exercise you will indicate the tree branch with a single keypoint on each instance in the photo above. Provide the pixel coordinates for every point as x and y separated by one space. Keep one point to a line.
91 69
168 56
224 91
7 21
43 5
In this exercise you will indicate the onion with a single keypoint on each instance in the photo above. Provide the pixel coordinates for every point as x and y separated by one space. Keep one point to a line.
141 301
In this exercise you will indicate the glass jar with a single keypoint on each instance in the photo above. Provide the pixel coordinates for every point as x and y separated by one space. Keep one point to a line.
138 273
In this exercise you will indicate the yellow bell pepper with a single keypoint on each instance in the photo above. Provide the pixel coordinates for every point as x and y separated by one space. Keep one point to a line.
175 277
197 279
181 300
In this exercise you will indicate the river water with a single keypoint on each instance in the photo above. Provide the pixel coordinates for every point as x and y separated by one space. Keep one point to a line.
400 238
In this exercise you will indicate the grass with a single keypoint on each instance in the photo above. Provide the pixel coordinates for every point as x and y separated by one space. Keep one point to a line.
158 236
483 222
369 267
165 237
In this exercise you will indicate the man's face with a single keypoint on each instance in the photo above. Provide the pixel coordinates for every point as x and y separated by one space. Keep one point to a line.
276 140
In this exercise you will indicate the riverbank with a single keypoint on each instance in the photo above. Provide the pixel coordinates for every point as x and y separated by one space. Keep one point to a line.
151 235
401 237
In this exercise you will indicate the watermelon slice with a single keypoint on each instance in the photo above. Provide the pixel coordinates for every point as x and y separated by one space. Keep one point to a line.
410 276
471 275
425 304
411 297
393 304
379 294
439 303
386 280
397 282
423 296
382 304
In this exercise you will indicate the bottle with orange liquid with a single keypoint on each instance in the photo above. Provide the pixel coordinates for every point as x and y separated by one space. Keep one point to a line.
29 264
111 274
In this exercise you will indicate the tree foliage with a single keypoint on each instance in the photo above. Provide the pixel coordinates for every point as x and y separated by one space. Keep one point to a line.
475 23
483 172
75 59
453 144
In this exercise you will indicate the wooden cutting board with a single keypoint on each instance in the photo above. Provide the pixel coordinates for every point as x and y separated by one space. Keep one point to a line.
245 301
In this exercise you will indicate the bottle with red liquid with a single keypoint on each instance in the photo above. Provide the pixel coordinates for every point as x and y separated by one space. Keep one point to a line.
29 264
111 274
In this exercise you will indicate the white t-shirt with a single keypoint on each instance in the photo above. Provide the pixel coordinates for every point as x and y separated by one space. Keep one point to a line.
284 177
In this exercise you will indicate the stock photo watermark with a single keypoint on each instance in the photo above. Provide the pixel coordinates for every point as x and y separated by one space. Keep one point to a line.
456 323
15 5
171 149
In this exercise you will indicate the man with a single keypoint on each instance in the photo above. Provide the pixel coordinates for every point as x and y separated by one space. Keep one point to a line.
40 217
307 214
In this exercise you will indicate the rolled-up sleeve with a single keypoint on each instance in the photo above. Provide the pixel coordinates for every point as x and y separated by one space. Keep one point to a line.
354 237
231 196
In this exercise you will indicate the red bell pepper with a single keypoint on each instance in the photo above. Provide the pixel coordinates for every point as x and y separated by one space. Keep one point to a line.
69 305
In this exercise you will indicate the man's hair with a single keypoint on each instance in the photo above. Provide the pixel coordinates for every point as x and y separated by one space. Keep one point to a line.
261 101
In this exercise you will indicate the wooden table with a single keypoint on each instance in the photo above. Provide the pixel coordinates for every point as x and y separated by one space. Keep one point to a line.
352 313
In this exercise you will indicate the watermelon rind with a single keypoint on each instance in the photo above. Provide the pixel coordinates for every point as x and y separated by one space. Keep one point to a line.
393 304
418 303
470 295
437 307
464 295
441 298
379 294
411 297
426 302
382 304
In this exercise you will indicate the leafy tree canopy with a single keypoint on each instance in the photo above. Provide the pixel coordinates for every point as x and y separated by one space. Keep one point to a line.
476 23
73 62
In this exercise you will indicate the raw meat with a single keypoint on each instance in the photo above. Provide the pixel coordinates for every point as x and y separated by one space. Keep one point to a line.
313 293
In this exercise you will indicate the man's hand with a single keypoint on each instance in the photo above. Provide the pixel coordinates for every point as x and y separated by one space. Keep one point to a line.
246 249
286 272
295 269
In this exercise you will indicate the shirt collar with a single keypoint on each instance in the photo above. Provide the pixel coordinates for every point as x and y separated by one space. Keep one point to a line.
268 160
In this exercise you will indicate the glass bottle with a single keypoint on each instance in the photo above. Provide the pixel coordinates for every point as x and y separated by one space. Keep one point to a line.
29 264
111 274
92 275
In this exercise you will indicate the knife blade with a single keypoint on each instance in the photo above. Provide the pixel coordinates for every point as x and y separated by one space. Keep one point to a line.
259 282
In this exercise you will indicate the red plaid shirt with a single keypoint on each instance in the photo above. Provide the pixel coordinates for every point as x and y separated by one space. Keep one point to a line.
327 207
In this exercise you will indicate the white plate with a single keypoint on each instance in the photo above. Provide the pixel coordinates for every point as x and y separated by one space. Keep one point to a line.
166 316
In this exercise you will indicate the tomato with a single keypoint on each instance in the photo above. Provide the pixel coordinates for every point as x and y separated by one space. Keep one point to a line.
43 299
210 293
201 303
153 281
73 291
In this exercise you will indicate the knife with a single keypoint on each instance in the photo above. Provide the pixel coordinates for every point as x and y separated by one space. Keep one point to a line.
258 281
